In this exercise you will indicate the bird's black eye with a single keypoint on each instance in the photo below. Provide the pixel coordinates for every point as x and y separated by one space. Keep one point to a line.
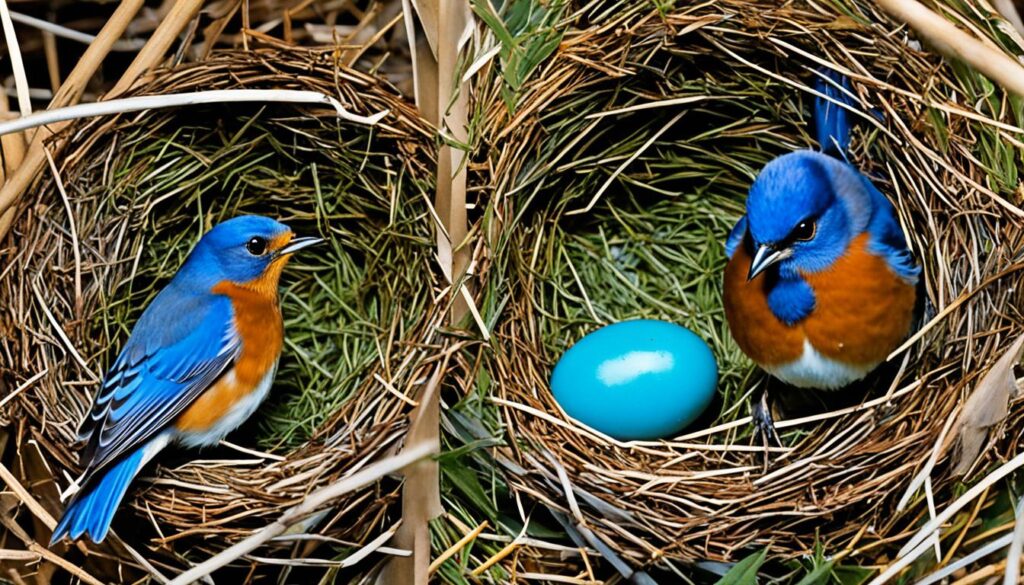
804 231
256 246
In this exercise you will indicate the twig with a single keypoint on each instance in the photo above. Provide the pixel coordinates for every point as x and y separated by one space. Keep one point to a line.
311 504
21 387
934 524
63 563
150 102
455 548
611 179
181 13
953 42
68 344
20 79
26 498
7 554
73 35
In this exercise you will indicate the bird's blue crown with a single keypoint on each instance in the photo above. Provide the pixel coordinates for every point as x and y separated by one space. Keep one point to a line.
236 250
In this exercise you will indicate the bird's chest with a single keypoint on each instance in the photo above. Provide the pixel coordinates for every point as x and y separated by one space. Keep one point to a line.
234 397
222 409
860 310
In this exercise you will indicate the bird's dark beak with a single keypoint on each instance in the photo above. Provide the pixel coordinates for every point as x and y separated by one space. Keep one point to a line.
765 256
298 244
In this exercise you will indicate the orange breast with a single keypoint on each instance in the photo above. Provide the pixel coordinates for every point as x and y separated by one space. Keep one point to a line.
862 311
755 328
261 331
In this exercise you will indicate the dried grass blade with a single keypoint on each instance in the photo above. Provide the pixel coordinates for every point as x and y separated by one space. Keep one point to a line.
17 64
150 102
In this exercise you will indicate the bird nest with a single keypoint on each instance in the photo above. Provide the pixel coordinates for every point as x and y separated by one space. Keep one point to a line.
618 165
136 191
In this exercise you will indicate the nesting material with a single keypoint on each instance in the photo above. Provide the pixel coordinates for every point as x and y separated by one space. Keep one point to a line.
617 172
360 311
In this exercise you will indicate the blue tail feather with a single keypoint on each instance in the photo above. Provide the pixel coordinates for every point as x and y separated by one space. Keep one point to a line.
832 121
92 510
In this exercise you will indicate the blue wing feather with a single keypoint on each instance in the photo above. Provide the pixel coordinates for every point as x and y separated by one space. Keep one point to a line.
735 236
887 238
182 343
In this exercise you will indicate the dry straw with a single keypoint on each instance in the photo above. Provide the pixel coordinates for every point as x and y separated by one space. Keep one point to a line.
125 198
618 141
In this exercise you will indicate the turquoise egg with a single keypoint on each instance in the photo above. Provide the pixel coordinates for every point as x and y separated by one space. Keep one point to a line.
636 380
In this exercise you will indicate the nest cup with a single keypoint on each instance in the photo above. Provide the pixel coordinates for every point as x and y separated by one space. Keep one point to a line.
617 175
359 311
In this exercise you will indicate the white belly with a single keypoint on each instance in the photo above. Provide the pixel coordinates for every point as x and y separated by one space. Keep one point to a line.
813 370
240 412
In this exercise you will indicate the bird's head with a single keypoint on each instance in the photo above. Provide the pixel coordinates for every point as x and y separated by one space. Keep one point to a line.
803 210
247 250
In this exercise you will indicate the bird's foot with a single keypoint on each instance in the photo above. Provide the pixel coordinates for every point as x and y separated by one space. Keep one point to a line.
763 422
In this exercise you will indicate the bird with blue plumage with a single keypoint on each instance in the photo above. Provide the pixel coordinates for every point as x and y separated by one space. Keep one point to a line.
199 361
820 286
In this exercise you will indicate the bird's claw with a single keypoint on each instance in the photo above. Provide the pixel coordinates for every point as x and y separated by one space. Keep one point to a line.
763 421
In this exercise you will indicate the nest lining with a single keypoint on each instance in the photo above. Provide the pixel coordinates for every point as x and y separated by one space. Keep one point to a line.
738 74
359 311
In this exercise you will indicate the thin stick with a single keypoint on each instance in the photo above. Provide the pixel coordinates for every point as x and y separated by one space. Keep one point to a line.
13 147
457 547
496 558
151 102
20 79
64 564
981 553
72 34
52 60
26 498
181 13
311 504
953 42
60 332
934 524
23 386
902 562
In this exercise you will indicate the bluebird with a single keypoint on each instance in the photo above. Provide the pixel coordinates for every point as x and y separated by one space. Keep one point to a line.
820 286
197 364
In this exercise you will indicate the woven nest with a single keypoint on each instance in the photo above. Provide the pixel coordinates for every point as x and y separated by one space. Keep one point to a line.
618 168
360 316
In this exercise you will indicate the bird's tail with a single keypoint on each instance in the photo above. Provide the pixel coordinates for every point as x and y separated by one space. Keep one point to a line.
92 509
831 120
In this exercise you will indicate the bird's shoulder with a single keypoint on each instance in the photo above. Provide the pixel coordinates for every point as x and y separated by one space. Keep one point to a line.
887 238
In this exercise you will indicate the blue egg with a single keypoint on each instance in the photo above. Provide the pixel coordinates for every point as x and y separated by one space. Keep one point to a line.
636 380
